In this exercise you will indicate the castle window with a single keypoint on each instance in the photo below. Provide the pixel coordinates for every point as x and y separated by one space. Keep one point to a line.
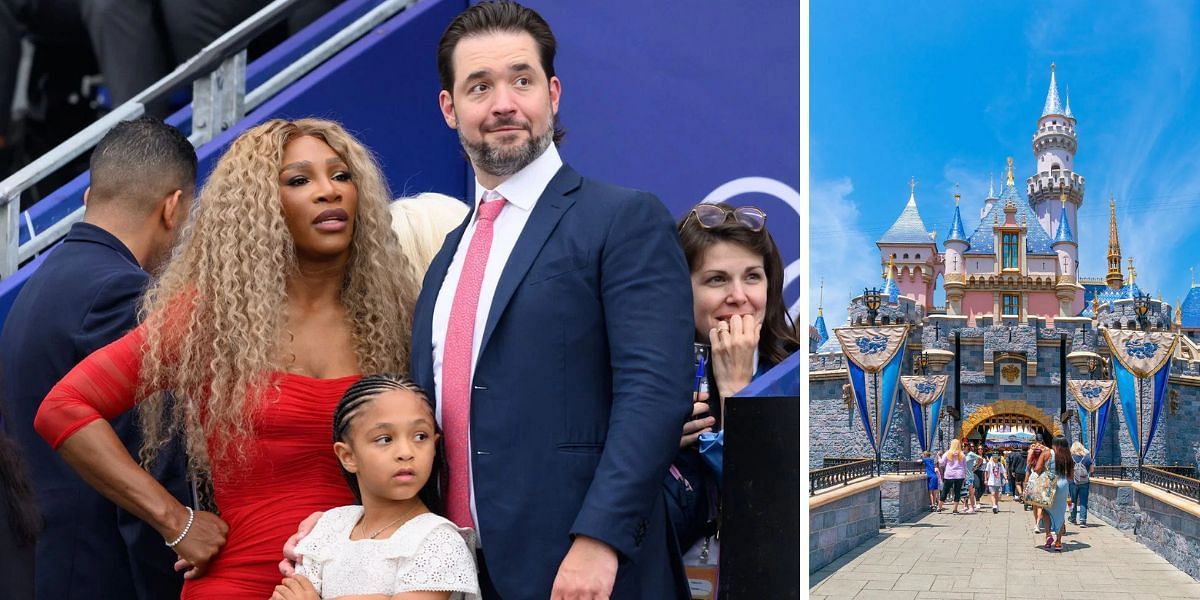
1009 251
905 255
918 256
1012 304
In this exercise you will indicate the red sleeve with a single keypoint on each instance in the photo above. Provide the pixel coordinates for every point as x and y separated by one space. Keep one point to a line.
103 386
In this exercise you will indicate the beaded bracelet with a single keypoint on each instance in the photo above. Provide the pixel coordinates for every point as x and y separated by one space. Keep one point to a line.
186 528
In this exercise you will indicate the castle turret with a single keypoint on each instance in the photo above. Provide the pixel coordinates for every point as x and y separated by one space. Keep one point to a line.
1114 279
1054 146
991 199
1067 250
955 263
912 251
819 325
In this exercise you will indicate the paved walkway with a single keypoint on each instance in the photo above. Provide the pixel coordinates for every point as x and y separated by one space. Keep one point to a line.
949 556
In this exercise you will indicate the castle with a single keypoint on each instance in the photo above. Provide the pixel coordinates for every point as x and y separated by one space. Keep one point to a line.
1018 319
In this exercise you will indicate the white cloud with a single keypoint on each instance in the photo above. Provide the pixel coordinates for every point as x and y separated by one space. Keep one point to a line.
841 253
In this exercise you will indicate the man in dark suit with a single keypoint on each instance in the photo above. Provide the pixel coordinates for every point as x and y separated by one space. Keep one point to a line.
554 329
81 298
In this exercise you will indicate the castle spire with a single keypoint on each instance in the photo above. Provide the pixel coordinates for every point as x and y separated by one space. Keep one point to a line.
957 232
1067 112
819 324
1053 105
1064 226
1114 278
821 299
1132 273
991 185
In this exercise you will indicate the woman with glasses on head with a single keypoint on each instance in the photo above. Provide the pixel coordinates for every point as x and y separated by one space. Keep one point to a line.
738 307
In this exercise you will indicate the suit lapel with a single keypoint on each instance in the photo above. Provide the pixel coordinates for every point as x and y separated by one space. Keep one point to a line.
546 213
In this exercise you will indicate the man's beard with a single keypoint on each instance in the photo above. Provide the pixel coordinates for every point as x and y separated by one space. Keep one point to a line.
502 162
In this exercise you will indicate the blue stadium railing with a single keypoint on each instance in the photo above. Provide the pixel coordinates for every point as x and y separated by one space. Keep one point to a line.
386 72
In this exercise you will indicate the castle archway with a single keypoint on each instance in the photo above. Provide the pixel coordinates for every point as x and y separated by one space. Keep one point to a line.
1012 415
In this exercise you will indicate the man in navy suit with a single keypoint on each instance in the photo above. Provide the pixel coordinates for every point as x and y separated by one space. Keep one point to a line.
82 297
555 331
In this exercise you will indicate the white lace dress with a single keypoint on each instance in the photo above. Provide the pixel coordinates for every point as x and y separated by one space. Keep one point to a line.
428 553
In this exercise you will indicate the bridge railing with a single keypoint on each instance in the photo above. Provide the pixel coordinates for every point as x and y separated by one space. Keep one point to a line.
1187 487
843 474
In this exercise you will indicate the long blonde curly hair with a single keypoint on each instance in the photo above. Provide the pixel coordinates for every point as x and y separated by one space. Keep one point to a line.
216 320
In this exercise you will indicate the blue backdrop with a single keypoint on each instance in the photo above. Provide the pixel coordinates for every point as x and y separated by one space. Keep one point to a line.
683 98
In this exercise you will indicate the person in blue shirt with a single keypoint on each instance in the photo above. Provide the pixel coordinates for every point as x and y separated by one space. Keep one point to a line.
932 478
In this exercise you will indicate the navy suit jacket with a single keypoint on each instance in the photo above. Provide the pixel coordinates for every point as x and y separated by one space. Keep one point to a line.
83 297
581 387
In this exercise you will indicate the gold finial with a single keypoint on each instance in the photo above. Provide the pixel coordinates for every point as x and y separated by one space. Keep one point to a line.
1132 272
1010 171
1062 195
957 196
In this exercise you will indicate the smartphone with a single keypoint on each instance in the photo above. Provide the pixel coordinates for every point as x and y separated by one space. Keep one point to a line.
702 352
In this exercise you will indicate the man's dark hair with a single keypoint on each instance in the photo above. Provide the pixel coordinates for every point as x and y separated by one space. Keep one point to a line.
140 161
495 17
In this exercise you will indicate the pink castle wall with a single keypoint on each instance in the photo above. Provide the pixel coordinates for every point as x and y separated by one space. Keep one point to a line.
1043 304
976 303
913 285
1039 304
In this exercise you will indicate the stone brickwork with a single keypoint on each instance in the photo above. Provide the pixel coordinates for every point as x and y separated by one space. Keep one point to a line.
905 497
1115 504
1143 514
834 434
838 527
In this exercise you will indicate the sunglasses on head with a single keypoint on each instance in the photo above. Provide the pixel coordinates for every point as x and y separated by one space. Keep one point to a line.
711 215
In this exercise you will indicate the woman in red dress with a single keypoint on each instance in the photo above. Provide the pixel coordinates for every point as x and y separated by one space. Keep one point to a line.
289 283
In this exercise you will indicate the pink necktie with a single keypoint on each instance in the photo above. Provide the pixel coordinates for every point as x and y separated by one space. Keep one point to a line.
456 363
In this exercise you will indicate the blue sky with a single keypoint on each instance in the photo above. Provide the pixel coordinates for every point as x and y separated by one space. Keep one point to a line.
946 91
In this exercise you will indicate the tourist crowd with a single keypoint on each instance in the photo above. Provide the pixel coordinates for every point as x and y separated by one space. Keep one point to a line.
1045 480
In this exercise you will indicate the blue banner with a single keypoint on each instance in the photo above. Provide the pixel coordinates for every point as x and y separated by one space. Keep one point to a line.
1092 426
1127 394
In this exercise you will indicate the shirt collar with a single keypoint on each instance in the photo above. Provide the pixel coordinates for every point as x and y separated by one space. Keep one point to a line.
526 186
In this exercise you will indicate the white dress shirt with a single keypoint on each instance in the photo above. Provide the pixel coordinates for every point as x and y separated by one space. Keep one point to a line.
522 191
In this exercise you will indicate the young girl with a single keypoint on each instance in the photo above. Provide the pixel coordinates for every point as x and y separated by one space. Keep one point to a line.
932 479
996 474
387 441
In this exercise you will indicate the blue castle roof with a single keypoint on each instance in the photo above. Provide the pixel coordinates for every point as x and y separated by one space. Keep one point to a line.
1064 228
821 330
1037 241
908 228
957 232
1190 309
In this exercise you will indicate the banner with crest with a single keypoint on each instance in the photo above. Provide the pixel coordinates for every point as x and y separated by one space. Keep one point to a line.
1093 397
925 404
874 354
1141 369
